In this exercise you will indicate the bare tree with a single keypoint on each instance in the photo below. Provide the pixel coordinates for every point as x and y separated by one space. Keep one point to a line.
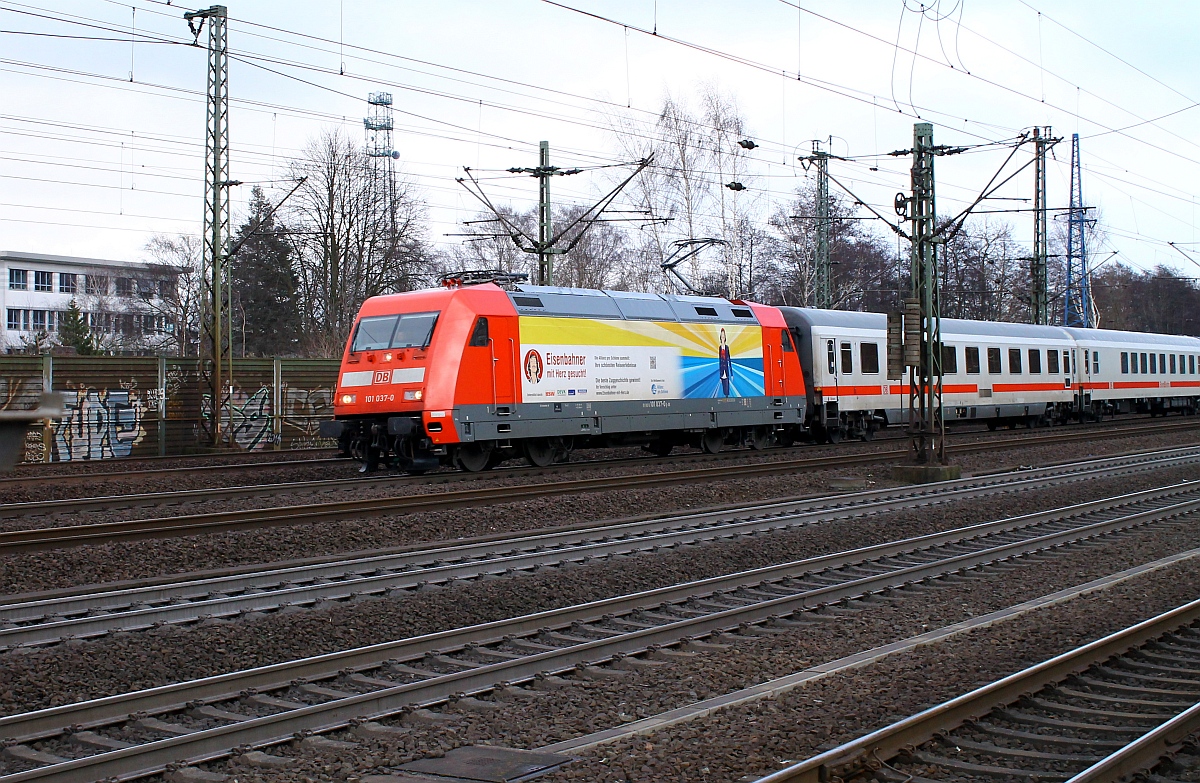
175 261
352 241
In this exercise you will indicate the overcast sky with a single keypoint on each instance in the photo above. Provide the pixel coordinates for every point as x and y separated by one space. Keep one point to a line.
101 141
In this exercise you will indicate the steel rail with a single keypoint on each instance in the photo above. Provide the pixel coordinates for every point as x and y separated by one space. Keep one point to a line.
79 616
141 475
867 753
182 525
66 506
767 595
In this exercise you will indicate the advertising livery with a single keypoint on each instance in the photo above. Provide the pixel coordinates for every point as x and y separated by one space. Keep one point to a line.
602 360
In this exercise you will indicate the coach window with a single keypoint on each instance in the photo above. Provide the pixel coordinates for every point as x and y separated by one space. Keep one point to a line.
1052 362
972 360
786 340
1095 362
847 359
831 356
949 360
479 336
1124 362
868 357
1133 364
1172 364
1067 362
1162 363
1035 361
1014 361
994 361
1153 364
1191 365
1144 365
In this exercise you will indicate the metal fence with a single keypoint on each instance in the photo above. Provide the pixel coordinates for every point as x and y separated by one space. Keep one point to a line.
145 406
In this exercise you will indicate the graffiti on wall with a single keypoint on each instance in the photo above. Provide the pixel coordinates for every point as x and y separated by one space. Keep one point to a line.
20 394
101 423
248 417
302 414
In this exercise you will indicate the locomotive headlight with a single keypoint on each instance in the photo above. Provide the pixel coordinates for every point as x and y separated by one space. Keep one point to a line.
349 399
387 357
414 394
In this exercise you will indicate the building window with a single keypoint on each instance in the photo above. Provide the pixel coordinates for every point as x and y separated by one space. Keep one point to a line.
1124 362
847 359
949 360
972 360
1035 361
166 289
39 320
1052 362
1014 361
18 279
124 286
14 320
43 281
97 285
66 283
868 357
994 361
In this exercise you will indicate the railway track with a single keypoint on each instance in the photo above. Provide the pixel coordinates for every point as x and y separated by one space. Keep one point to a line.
64 478
46 619
1111 709
140 733
72 535
136 500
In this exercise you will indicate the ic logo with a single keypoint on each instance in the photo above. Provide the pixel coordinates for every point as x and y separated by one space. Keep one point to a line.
533 366
382 376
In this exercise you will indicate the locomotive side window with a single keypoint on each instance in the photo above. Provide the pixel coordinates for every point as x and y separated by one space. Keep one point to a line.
479 337
1052 362
1035 361
786 339
1144 370
847 359
829 354
868 357
972 360
415 330
374 333
1095 362
1124 362
949 360
994 361
1014 361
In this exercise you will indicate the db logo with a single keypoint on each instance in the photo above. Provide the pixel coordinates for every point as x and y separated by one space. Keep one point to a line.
382 376
533 366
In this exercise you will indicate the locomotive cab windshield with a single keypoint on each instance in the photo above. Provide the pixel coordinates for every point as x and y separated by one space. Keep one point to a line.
377 333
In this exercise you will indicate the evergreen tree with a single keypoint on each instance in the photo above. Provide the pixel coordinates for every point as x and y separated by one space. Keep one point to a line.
264 285
73 331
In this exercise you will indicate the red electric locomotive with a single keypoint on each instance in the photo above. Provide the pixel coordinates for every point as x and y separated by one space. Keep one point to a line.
472 373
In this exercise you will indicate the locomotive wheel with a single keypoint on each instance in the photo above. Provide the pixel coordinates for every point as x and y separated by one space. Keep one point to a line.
712 441
543 452
474 457
760 438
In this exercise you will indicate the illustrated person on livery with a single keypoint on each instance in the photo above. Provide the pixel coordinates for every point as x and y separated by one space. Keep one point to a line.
725 363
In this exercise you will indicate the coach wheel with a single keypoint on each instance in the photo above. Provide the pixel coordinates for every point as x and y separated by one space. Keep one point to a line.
712 441
543 452
660 448
991 425
760 438
474 457
833 435
869 431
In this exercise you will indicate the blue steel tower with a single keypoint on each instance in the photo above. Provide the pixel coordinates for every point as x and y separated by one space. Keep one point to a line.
1077 306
